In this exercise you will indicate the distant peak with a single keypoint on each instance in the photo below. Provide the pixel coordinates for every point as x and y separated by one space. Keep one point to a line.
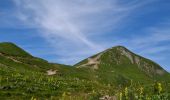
119 46
7 43
9 48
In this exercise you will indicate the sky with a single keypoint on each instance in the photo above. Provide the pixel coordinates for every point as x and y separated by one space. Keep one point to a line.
68 31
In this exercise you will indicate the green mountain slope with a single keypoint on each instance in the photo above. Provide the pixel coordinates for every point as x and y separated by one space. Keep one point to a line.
14 56
119 61
8 48
25 77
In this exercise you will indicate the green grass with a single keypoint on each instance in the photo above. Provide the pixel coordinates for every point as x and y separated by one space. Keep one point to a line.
24 85
13 50
23 77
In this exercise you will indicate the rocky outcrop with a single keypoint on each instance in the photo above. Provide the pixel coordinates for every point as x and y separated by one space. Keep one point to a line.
93 62
51 72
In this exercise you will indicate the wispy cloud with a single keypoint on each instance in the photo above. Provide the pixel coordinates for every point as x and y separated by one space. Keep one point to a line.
153 36
70 26
152 43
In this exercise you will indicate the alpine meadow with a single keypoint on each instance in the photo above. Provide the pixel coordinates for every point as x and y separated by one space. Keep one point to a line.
84 50
115 73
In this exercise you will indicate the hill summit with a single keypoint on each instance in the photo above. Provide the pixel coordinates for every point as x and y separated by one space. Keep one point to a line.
113 74
124 62
9 48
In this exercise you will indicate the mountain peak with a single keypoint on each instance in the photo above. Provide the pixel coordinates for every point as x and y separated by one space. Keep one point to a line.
7 43
8 48
119 46
120 58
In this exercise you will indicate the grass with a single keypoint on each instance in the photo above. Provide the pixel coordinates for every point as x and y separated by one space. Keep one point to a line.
25 85
24 77
13 50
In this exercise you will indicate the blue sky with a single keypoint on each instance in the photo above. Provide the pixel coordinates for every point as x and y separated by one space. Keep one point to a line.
67 31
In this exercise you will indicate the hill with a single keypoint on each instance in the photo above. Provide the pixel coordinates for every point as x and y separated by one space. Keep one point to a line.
119 61
11 49
105 75
23 76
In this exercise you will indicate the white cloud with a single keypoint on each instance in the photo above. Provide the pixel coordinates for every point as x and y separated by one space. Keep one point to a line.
70 25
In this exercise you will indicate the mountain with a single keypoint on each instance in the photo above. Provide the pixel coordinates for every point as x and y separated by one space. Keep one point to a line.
104 75
23 76
119 61
12 55
10 49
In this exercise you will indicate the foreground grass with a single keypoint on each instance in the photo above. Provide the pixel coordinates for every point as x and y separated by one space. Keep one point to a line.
31 85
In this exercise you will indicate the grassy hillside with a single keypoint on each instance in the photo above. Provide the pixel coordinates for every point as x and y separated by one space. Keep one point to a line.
13 50
25 77
120 61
